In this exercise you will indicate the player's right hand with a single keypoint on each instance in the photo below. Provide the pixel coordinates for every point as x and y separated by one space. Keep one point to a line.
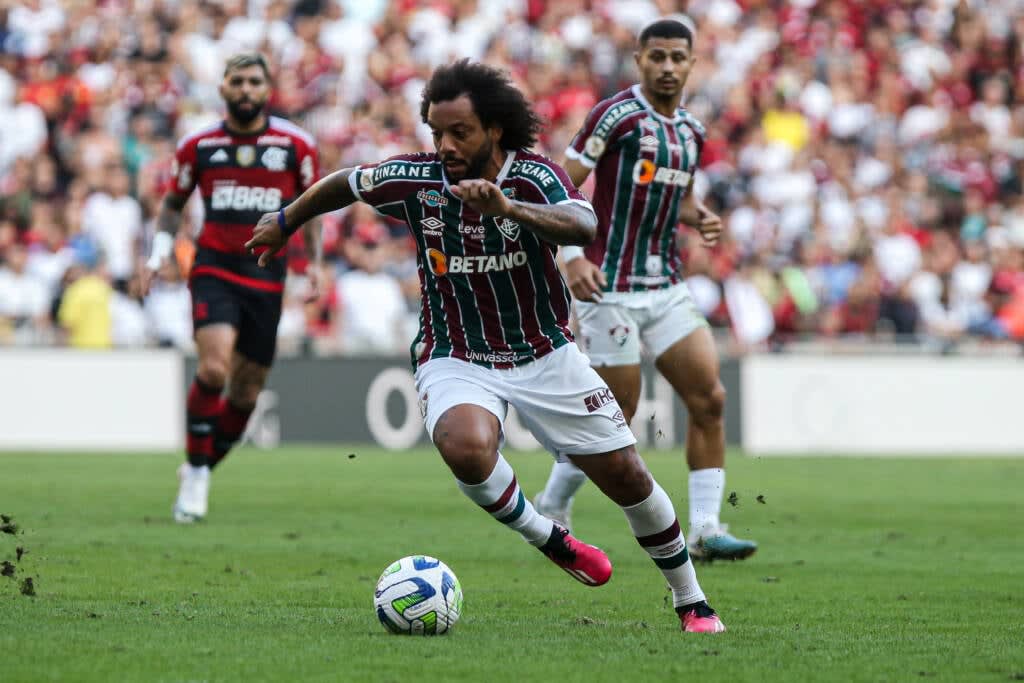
267 233
586 281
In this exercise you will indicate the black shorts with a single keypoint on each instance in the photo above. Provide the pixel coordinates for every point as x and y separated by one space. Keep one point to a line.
253 312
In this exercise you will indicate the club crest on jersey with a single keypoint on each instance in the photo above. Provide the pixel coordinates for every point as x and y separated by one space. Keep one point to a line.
432 198
508 228
245 155
275 158
594 147
619 334
219 157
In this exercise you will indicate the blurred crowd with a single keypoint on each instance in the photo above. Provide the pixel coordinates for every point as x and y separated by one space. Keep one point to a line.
867 157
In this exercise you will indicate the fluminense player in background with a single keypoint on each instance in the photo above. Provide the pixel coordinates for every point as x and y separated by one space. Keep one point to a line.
644 147
488 216
244 166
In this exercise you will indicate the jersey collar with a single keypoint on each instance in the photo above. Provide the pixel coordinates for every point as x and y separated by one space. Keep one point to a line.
639 94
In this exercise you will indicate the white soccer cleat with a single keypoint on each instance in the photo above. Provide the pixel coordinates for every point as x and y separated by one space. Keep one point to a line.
561 516
193 493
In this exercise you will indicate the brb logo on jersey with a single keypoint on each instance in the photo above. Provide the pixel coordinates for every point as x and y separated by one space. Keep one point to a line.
245 198
645 173
441 265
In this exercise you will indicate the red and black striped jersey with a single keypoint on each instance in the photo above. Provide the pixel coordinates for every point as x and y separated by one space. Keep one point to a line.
241 177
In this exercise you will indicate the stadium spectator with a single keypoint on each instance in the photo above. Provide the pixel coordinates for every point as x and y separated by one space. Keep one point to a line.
828 122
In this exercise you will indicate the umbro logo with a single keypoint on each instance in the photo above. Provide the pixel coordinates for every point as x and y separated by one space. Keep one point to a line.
219 157
649 141
432 226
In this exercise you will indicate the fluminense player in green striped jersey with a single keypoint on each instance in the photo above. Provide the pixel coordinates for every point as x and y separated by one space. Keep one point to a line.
488 215
644 148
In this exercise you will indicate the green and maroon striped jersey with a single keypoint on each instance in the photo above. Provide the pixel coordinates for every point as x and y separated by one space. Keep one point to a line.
643 163
491 291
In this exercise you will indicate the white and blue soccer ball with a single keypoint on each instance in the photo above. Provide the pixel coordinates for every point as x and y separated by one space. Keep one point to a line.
418 595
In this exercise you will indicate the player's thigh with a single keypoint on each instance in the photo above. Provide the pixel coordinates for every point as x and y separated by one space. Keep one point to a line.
691 365
625 381
215 319
443 384
567 406
257 332
609 333
672 317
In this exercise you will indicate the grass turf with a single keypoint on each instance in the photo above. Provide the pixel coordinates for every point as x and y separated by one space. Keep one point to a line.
870 570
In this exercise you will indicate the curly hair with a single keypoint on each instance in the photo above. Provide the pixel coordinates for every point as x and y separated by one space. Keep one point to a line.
496 101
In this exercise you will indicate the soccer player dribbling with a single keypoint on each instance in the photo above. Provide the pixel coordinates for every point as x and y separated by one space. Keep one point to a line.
644 148
245 165
487 216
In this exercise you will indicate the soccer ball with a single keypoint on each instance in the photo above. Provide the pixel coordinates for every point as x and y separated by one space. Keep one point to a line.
418 595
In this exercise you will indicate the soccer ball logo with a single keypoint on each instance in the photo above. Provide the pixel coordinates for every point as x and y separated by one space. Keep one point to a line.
418 595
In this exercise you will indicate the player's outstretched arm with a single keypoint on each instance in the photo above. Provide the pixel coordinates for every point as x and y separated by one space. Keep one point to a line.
168 220
566 223
327 194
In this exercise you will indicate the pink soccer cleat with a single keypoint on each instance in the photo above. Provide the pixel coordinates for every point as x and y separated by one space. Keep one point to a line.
699 618
585 563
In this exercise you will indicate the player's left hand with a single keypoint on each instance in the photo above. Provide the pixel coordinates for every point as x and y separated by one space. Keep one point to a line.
267 233
483 196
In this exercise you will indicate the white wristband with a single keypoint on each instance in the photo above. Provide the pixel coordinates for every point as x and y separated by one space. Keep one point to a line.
571 253
163 244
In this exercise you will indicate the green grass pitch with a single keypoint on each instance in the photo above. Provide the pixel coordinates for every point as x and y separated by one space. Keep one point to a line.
869 570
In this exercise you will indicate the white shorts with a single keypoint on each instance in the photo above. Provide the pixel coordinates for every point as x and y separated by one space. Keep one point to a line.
612 330
559 398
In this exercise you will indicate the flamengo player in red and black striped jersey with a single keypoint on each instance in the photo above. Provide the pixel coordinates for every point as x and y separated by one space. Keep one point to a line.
487 216
244 166
644 148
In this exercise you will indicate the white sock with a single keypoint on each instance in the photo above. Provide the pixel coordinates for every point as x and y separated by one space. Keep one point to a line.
563 483
501 496
706 490
656 528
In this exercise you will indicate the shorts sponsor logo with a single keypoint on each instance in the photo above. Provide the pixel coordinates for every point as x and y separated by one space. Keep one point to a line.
245 155
432 198
432 226
245 198
620 334
598 400
645 173
275 158
619 419
437 262
201 311
508 228
594 147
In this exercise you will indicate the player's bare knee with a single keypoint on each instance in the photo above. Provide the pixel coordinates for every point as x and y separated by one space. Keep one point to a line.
212 372
467 446
708 408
